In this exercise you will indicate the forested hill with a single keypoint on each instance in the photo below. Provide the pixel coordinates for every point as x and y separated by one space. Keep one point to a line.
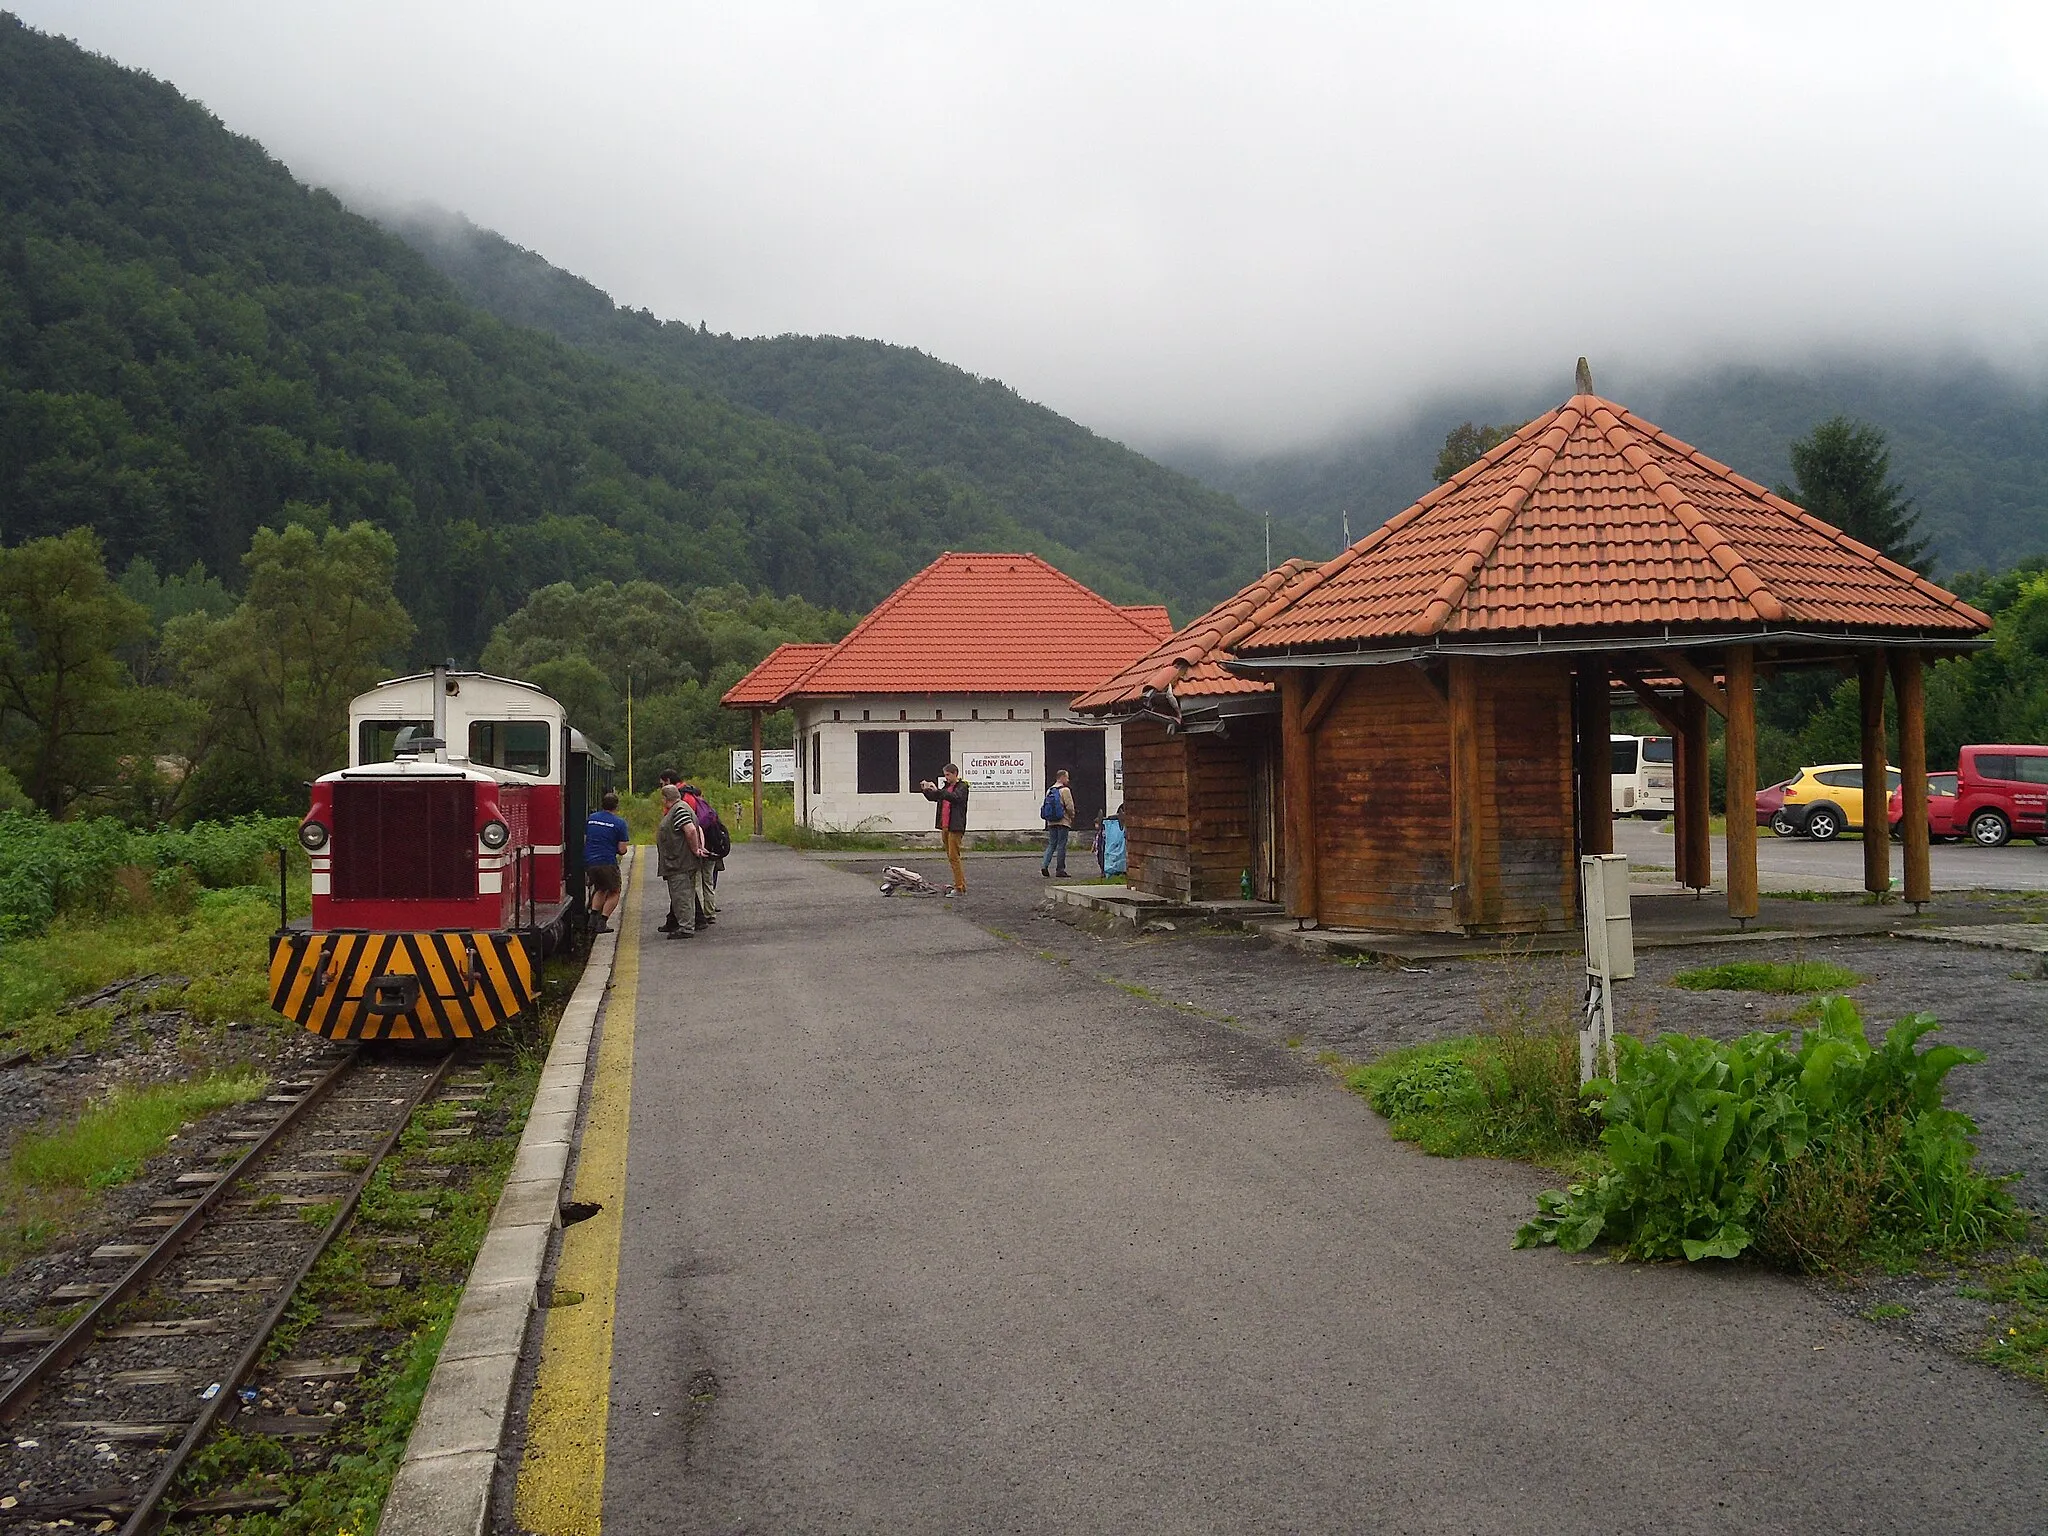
1968 444
192 345
1095 496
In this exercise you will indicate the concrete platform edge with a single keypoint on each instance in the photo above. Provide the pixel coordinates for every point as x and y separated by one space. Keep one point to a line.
443 1484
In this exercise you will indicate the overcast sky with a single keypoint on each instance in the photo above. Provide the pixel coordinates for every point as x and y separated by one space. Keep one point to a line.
1254 223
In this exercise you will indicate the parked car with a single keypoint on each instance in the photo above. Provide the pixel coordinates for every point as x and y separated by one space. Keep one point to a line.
1941 808
1770 808
1826 800
2001 794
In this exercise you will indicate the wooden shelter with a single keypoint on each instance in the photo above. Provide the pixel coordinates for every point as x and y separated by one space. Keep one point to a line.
1201 756
1445 682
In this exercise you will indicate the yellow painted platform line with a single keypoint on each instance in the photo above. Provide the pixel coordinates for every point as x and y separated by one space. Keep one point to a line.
561 1479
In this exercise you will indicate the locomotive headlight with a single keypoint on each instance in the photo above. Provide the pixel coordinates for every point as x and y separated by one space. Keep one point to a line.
495 834
312 836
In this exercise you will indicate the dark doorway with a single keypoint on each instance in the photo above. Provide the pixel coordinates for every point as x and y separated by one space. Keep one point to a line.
1081 754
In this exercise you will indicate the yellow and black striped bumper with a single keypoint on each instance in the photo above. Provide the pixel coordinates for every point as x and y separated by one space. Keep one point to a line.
353 985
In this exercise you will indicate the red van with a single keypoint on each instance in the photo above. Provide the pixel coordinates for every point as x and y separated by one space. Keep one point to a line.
2001 794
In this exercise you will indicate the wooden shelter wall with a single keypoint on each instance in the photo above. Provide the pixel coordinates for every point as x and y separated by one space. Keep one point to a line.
1383 813
1155 809
1219 814
1382 805
1526 738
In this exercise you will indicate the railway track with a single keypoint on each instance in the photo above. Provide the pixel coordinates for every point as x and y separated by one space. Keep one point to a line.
97 1426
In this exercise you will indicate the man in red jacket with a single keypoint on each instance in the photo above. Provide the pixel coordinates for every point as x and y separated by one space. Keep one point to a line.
951 820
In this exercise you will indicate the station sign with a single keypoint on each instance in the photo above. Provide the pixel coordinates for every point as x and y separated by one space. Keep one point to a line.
997 770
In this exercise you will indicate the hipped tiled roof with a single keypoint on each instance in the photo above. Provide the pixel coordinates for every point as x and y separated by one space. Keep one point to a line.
1592 519
764 687
972 623
1191 661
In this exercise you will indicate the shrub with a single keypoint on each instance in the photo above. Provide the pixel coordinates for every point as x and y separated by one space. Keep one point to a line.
1813 1155
47 867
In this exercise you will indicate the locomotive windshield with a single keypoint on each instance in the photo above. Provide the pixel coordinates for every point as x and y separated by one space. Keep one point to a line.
519 746
377 740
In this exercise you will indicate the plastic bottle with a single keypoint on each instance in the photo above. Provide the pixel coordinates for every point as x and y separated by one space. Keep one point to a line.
1244 885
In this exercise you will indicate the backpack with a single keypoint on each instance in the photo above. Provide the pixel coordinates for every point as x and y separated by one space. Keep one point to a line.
1054 809
717 841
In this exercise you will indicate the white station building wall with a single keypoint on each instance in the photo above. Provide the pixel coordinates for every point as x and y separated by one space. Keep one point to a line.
1007 731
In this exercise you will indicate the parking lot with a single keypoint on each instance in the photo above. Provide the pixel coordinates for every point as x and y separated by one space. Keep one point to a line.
1799 864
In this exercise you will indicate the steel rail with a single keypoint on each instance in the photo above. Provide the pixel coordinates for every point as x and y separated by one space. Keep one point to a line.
144 1516
65 1348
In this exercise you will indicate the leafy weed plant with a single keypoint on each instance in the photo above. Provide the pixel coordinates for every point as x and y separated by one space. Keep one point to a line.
1812 1156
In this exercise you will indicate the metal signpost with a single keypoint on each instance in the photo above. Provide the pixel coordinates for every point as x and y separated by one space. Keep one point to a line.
1610 956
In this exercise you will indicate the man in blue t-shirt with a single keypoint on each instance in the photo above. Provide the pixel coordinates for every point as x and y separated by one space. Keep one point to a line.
605 836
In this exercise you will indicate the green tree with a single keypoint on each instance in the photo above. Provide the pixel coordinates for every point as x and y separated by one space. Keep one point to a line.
68 706
1466 444
319 624
1841 473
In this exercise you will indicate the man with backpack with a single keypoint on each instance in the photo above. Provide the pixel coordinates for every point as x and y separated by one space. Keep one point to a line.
717 845
679 848
1058 815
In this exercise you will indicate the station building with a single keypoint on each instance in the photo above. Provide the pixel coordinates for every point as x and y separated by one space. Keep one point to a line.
975 660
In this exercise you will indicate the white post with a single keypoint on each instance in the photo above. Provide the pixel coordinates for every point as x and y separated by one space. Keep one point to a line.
1610 955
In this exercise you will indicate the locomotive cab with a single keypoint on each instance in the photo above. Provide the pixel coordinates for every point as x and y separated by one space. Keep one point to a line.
446 861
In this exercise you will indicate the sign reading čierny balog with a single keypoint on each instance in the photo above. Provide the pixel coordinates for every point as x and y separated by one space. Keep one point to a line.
777 766
997 770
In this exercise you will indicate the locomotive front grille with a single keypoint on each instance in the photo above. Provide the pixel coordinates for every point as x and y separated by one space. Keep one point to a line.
404 841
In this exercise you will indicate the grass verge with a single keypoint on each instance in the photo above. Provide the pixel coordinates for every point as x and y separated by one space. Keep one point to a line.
2019 1340
1797 977
51 1177
215 943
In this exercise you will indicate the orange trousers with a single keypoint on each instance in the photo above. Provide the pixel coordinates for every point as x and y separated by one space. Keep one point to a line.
952 840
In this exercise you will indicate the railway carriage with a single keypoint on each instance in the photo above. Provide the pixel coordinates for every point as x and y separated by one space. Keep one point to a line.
447 861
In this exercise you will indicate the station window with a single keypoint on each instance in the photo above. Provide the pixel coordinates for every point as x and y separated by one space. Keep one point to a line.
930 751
377 740
817 764
517 746
875 763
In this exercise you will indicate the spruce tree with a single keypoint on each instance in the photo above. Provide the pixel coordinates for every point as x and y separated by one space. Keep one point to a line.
1842 474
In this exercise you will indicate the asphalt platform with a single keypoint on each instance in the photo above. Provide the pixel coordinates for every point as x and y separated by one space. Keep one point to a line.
923 1233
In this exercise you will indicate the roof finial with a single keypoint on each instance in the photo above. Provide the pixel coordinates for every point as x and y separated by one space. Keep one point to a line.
1584 378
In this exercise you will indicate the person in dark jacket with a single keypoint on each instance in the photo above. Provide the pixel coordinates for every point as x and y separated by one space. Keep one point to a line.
951 820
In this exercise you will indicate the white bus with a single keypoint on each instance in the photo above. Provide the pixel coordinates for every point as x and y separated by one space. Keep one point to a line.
1642 776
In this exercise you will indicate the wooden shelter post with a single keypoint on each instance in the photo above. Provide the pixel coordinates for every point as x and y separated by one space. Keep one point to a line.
1693 836
1907 685
1740 670
1472 894
1596 758
1877 842
757 770
1298 770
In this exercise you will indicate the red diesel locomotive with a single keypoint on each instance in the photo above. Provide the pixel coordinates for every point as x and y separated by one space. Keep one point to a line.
447 861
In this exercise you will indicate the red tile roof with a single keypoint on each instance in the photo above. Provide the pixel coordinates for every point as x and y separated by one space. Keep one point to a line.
764 687
1592 518
1191 662
970 623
